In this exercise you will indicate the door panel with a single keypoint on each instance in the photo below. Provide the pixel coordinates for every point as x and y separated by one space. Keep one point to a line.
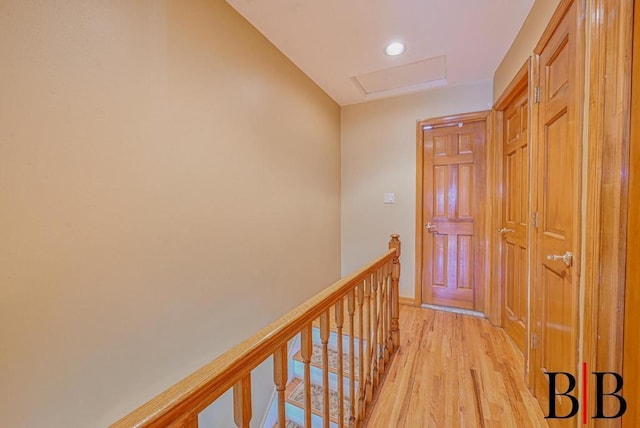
558 171
515 213
453 177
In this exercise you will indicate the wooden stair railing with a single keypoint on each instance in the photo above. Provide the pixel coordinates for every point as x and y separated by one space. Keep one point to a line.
371 292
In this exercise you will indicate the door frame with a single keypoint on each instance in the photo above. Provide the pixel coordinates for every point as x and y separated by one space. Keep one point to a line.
521 80
610 37
534 356
630 369
483 230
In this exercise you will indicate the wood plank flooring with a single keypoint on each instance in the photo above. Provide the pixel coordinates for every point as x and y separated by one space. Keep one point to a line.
454 371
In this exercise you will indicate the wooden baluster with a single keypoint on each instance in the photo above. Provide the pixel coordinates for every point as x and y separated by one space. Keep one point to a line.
280 378
361 378
324 338
374 332
242 402
395 296
351 309
306 350
339 313
381 325
387 315
367 355
389 334
369 333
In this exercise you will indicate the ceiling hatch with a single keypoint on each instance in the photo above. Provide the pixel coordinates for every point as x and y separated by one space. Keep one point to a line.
406 78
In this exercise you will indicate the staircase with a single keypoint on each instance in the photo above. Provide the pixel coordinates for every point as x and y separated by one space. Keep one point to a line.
351 324
296 388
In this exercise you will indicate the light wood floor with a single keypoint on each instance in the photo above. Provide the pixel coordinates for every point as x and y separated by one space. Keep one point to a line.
454 371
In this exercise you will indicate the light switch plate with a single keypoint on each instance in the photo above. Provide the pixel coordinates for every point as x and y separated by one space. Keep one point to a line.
389 198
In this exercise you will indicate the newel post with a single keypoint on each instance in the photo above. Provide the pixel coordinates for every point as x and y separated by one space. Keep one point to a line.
395 292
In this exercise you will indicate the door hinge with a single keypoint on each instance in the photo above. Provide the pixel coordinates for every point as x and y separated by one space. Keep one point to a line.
535 219
533 341
537 95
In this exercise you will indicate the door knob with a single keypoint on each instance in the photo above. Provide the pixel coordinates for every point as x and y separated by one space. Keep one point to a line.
567 258
505 230
431 227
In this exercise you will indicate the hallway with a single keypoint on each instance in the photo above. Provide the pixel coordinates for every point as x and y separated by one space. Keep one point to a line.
455 371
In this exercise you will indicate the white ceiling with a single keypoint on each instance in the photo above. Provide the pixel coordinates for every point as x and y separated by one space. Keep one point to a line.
335 41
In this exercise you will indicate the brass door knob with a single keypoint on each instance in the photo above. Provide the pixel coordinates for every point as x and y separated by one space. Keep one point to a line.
567 258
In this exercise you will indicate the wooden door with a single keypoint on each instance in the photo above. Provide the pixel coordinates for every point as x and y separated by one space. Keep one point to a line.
453 203
515 213
557 231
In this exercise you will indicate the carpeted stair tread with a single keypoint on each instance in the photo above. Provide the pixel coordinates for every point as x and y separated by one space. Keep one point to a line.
295 396
316 360
289 424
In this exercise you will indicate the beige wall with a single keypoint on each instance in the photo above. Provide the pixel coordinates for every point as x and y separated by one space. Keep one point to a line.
379 156
169 184
523 45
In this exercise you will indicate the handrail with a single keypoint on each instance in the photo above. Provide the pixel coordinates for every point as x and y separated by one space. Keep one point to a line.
183 401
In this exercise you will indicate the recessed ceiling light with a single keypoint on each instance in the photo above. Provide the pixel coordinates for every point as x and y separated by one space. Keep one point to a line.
395 48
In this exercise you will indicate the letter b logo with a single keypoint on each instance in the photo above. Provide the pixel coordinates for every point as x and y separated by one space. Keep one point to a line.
622 403
575 404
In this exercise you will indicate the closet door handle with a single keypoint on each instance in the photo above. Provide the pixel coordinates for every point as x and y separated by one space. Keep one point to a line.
567 258
505 230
